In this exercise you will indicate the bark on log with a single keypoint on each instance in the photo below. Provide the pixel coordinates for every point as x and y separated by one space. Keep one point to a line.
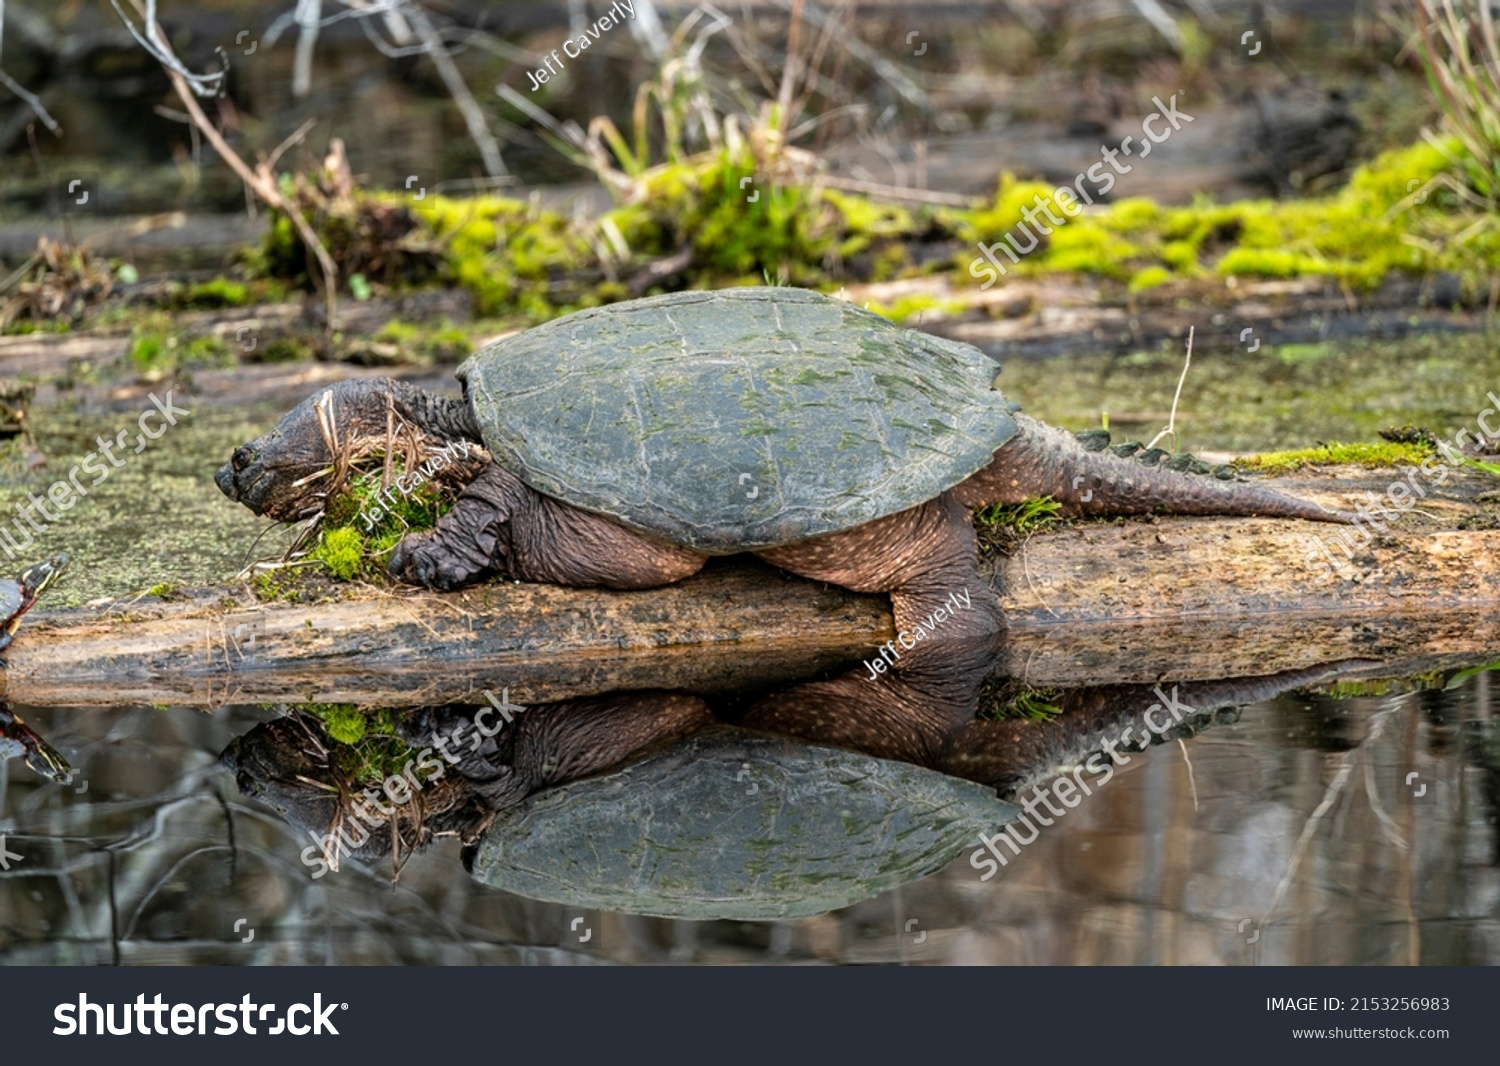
1098 603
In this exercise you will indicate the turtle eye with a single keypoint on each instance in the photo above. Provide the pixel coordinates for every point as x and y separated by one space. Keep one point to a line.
243 456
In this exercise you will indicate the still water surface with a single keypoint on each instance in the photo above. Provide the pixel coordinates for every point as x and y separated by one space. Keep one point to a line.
1304 828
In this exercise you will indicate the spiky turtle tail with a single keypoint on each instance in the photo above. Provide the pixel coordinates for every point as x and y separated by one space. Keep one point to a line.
1087 477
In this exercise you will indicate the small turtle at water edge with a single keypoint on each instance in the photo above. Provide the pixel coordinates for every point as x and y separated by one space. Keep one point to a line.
16 737
16 597
631 442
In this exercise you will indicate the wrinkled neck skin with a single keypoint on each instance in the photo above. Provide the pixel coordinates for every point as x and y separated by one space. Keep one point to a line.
445 417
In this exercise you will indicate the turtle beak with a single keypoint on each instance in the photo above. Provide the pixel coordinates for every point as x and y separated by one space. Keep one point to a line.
225 480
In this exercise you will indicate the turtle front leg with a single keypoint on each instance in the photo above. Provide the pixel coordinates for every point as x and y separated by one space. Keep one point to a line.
499 525
926 558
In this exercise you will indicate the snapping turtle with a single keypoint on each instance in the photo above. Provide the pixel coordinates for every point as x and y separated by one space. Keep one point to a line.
728 823
630 442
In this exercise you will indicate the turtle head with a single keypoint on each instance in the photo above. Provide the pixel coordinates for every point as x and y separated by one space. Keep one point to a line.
38 577
17 738
288 473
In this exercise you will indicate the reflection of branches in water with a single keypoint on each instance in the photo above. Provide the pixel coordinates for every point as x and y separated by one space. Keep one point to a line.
1330 796
162 876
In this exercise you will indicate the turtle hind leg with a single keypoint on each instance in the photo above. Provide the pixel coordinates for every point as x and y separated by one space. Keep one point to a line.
500 526
925 557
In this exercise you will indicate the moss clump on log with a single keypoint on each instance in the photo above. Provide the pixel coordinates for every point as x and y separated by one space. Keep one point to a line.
1372 456
1002 527
1398 214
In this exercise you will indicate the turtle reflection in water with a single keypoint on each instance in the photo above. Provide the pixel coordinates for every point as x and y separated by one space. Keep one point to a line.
16 737
801 801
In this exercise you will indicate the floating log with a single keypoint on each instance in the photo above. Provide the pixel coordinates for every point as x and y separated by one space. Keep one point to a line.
1113 601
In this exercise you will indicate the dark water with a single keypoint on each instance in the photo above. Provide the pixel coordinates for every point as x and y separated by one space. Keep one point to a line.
1302 828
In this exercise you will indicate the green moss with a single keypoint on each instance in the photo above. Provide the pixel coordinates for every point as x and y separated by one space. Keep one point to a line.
367 750
1372 456
1150 278
913 307
155 350
344 722
362 525
341 551
519 260
1012 699
276 586
423 343
24 326
285 350
217 293
166 590
1360 235
1001 527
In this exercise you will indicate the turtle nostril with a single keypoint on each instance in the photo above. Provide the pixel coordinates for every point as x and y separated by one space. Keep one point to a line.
243 457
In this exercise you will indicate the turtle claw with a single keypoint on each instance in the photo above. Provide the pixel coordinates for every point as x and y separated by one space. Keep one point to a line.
425 559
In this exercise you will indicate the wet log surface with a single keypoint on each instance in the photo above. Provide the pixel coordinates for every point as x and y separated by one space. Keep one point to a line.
1115 601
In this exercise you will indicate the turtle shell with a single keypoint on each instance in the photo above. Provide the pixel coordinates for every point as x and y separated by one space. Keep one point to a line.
729 823
12 595
739 419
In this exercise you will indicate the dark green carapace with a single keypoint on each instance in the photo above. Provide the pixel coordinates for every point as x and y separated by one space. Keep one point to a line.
734 824
740 419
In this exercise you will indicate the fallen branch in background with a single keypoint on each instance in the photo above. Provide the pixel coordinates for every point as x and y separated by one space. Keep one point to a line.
262 179
30 99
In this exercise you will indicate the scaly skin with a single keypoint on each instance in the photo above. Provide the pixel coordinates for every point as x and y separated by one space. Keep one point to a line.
1043 461
922 557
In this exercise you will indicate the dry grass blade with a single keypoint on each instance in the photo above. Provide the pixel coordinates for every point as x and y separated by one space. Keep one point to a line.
1460 53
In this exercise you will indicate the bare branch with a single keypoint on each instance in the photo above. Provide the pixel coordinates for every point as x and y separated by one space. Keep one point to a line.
155 44
404 19
27 98
307 20
31 101
479 132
